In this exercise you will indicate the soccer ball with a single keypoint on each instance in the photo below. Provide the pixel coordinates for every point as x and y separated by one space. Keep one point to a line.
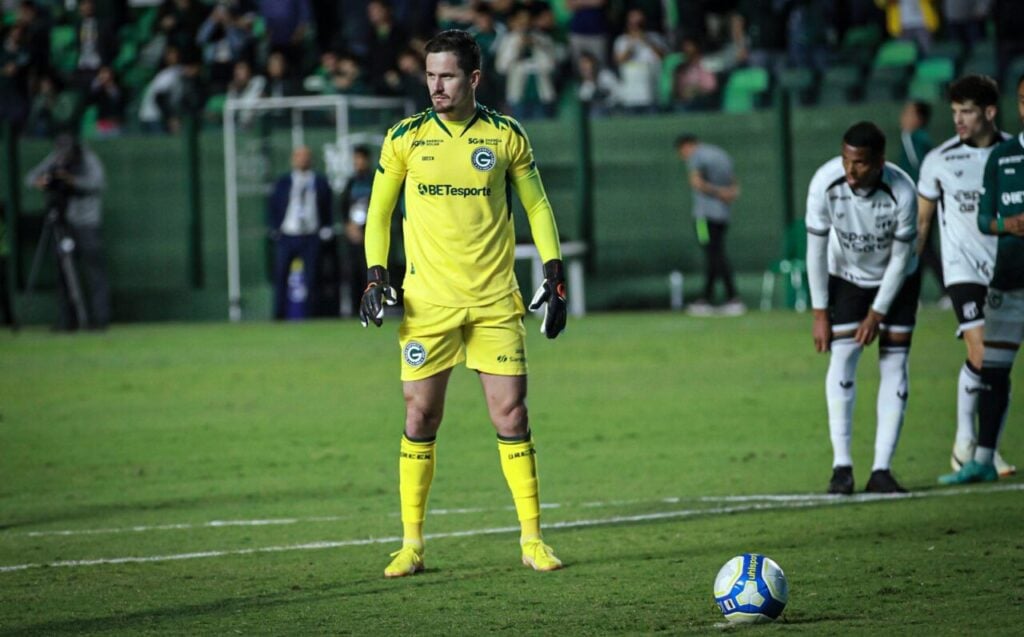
751 588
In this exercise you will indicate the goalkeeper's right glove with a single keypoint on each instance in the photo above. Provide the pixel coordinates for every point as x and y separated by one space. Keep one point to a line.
378 293
552 293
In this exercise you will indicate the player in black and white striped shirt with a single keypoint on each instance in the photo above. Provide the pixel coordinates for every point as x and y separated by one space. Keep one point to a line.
951 183
862 270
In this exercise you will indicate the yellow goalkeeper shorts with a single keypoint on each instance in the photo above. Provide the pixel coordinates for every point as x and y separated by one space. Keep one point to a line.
490 338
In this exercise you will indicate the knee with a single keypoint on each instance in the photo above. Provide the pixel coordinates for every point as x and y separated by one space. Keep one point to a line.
422 420
511 420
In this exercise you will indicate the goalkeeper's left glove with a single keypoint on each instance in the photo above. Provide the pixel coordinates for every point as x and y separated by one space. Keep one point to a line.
552 292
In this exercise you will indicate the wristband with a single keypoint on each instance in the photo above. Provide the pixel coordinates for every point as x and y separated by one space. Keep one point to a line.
1000 225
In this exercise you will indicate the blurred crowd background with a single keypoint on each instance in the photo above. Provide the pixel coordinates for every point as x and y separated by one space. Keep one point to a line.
142 65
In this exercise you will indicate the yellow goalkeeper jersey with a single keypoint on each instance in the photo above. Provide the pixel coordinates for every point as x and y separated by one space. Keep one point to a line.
458 228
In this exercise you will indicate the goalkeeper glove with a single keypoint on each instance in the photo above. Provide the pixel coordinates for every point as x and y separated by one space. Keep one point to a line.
378 292
552 292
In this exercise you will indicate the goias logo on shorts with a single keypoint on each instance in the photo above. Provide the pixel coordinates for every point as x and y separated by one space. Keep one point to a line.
415 354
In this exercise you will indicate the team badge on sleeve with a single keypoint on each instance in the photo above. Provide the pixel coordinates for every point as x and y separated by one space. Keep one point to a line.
483 158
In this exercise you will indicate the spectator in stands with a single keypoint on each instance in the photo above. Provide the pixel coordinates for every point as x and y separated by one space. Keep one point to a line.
108 98
15 61
965 20
348 77
224 40
245 87
807 34
638 54
588 29
914 20
162 93
43 113
96 43
409 81
597 87
77 170
178 23
299 217
526 57
455 14
280 83
384 41
488 33
37 36
694 86
288 23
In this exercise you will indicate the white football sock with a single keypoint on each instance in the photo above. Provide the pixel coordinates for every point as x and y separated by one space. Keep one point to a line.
984 455
840 393
892 403
967 405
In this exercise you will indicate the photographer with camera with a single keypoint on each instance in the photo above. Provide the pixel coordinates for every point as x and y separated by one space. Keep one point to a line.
73 179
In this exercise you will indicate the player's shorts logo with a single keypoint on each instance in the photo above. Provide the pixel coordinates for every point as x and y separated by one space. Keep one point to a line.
415 354
995 300
483 158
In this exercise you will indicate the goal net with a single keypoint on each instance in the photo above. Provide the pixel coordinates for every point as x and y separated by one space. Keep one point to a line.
259 135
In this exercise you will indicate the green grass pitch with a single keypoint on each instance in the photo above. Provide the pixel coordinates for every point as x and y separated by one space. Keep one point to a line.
221 479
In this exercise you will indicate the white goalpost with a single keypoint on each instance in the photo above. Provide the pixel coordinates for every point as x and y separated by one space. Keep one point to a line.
247 170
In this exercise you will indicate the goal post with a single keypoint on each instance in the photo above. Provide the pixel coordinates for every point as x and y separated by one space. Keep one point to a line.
344 121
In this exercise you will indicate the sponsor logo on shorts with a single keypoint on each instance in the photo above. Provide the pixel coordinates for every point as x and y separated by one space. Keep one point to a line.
518 357
995 300
483 158
414 353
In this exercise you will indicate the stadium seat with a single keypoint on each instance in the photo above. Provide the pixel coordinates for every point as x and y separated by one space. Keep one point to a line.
798 81
840 84
860 41
63 53
743 89
952 49
126 56
88 124
896 54
792 267
931 75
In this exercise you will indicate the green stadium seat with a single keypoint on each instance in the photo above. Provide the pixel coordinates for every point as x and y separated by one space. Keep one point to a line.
126 56
860 42
952 49
88 124
743 89
792 267
798 81
931 75
895 53
63 50
840 85
214 106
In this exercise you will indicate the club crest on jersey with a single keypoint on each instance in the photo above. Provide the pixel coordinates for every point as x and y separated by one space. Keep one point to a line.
414 353
483 158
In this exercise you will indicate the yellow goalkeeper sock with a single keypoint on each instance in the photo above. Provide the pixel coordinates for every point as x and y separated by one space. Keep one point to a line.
519 464
415 473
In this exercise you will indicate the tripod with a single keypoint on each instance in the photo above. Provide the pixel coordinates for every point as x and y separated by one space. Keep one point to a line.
55 227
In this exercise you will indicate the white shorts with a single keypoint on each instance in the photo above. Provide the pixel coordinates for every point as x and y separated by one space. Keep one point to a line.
1004 326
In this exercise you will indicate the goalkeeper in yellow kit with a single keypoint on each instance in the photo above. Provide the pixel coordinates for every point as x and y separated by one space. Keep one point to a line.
457 161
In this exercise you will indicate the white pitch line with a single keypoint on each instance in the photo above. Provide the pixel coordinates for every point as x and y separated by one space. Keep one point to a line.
807 502
184 526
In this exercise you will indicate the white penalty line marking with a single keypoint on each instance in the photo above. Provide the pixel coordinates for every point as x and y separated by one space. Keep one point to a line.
215 524
766 503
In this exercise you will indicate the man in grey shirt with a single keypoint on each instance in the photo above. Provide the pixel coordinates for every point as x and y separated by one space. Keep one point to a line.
76 171
715 188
